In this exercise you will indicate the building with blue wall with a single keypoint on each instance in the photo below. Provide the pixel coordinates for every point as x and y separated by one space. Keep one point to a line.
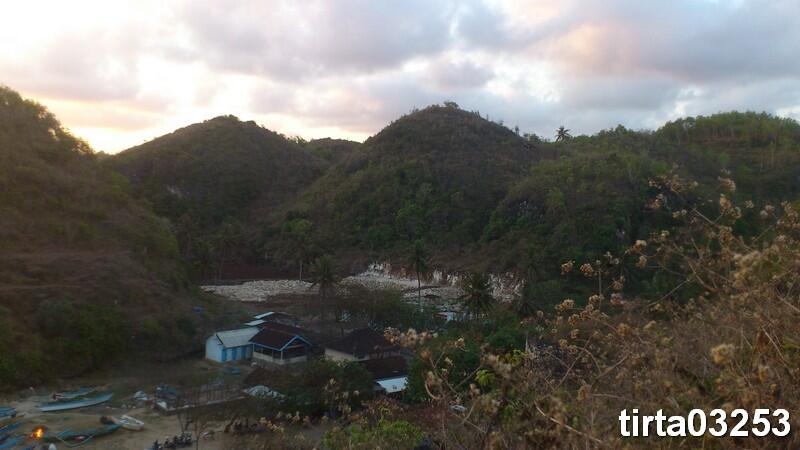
231 345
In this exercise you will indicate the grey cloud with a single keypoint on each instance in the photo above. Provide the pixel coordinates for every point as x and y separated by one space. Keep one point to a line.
314 39
79 66
451 75
616 93
684 39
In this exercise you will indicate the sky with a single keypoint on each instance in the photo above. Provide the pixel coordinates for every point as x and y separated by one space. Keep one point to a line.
119 73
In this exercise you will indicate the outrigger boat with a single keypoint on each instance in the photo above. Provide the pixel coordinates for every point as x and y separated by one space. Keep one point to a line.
72 395
61 406
4 422
126 422
77 438
12 442
6 431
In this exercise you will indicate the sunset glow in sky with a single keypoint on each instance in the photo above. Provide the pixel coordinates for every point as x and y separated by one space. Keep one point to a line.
118 73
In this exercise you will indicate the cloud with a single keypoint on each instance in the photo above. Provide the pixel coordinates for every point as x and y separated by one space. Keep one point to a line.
293 40
450 74
136 69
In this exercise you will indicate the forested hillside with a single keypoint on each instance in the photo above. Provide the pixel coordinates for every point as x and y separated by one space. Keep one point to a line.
331 150
215 181
434 175
88 274
474 193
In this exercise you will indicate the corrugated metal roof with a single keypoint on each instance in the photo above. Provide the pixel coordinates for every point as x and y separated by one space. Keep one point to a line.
236 338
256 322
393 385
262 315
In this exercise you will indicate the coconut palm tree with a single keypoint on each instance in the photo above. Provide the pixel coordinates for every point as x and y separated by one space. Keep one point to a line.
524 303
419 259
562 134
477 296
324 275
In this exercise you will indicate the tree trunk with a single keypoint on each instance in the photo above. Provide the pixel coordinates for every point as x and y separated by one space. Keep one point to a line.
419 293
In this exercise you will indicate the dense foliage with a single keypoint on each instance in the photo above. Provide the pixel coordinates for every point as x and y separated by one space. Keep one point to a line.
721 333
434 175
82 262
216 181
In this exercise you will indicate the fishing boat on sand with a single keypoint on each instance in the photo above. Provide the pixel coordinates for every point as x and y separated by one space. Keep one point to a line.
61 406
4 422
126 422
74 439
11 442
6 431
72 395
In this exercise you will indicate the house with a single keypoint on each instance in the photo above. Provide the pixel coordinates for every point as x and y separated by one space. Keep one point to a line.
361 345
272 316
230 345
280 344
390 374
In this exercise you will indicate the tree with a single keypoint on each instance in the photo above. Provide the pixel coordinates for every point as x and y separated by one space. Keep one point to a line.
525 302
562 134
230 238
420 263
324 275
477 296
299 233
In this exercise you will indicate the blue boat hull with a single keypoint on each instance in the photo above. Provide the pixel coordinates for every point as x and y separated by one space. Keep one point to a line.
12 442
61 406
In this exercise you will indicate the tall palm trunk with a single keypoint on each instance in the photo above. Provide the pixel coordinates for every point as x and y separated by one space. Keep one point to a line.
419 293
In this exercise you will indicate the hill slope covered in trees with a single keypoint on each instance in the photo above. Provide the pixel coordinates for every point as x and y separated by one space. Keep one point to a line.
215 180
87 273
433 175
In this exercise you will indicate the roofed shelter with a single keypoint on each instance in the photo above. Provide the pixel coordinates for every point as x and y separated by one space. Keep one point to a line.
230 345
277 343
361 345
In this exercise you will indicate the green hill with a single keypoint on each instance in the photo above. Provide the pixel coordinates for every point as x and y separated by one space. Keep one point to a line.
331 150
215 181
435 175
87 273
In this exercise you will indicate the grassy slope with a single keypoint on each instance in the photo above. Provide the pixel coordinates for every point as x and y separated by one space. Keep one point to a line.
87 273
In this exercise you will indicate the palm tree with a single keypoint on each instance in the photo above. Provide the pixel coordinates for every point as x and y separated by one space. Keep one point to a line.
477 296
420 262
525 302
299 233
324 276
562 134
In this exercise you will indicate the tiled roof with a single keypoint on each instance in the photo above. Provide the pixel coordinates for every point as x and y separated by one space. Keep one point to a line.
277 336
384 368
362 342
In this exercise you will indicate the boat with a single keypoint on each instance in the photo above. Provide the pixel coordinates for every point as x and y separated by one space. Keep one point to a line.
7 412
126 422
72 395
8 429
61 406
12 442
4 422
78 438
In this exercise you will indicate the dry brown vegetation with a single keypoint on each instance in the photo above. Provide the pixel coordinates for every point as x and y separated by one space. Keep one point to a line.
726 336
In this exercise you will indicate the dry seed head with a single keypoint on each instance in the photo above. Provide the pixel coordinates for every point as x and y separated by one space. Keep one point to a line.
722 354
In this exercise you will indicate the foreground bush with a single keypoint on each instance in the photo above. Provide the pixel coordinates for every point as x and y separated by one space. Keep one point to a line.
726 335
